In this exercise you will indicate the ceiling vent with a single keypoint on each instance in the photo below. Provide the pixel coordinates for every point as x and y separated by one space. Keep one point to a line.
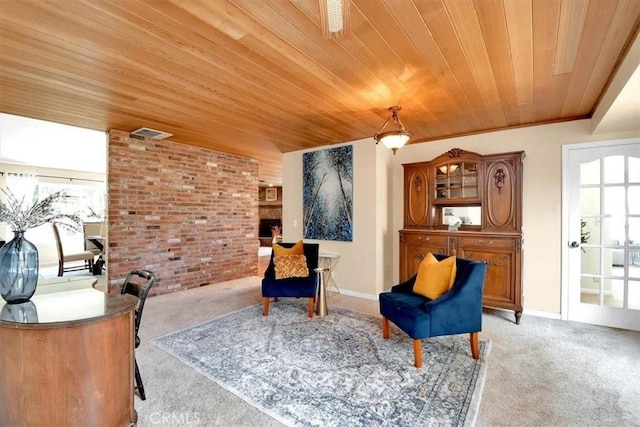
151 133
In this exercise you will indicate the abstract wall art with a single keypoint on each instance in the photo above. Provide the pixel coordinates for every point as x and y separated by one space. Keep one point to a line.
328 194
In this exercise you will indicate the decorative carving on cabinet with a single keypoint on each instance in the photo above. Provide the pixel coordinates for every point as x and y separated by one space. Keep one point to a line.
418 184
454 245
499 179
416 201
455 152
503 201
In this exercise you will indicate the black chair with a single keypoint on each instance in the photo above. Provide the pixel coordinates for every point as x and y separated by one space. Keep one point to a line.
298 287
133 287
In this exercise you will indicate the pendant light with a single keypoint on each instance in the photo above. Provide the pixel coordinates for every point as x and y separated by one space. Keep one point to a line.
393 139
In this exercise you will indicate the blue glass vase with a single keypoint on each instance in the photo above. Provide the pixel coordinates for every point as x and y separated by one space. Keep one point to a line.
18 269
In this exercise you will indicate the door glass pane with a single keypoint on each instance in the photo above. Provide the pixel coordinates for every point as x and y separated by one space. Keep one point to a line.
634 247
590 261
589 201
634 169
590 231
589 298
613 230
614 261
590 172
634 231
589 290
614 200
613 292
613 169
634 200
634 295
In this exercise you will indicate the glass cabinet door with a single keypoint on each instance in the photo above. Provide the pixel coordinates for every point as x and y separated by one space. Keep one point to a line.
457 181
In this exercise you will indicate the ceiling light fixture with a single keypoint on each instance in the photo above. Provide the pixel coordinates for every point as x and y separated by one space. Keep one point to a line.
334 17
393 139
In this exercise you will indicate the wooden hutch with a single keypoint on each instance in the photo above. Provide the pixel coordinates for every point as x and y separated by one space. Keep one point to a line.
485 192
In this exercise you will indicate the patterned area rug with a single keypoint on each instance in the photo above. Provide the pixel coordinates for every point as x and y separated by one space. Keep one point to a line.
335 370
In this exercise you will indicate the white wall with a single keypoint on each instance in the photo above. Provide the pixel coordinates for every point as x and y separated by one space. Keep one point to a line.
359 270
364 263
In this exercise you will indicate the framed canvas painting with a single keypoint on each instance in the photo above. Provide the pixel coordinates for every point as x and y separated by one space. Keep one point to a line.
328 194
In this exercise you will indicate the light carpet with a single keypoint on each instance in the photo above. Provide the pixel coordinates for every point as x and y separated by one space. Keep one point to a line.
334 370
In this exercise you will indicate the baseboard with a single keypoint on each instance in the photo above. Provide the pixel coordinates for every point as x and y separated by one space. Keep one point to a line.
539 313
358 294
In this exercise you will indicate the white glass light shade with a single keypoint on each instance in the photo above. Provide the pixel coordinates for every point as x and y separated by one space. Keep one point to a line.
394 139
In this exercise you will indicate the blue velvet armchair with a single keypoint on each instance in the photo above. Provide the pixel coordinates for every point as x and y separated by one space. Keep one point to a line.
298 287
458 311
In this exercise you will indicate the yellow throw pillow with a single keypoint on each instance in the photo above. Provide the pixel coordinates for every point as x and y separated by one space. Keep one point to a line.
435 277
291 266
297 249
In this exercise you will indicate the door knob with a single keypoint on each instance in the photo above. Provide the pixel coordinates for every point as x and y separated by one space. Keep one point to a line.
574 244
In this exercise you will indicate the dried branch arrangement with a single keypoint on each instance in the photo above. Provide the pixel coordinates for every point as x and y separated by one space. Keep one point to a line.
20 215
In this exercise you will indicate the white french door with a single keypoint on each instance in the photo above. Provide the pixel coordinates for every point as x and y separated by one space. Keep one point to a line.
601 228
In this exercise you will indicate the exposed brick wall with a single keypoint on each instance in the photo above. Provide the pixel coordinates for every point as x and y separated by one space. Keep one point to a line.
186 213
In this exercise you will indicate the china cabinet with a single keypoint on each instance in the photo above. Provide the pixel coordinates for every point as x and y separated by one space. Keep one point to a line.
483 195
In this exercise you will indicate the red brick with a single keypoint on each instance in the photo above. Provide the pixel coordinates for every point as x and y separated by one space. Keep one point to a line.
171 205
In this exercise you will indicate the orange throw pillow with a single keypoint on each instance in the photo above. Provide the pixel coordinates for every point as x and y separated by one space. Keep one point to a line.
297 249
435 278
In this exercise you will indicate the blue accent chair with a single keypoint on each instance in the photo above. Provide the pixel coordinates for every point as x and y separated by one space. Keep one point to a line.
459 311
298 287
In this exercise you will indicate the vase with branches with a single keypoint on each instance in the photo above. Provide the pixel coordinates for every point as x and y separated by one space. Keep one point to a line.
19 262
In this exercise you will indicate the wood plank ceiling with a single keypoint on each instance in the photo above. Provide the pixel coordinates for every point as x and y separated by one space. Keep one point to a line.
256 78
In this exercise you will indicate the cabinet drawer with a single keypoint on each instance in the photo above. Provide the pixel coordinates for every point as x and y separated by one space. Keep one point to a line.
486 242
429 239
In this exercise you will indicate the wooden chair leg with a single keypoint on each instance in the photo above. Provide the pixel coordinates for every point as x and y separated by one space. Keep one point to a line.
60 268
475 349
385 328
265 308
311 307
417 353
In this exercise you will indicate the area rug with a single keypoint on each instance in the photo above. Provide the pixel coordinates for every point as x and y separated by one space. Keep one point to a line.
335 370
